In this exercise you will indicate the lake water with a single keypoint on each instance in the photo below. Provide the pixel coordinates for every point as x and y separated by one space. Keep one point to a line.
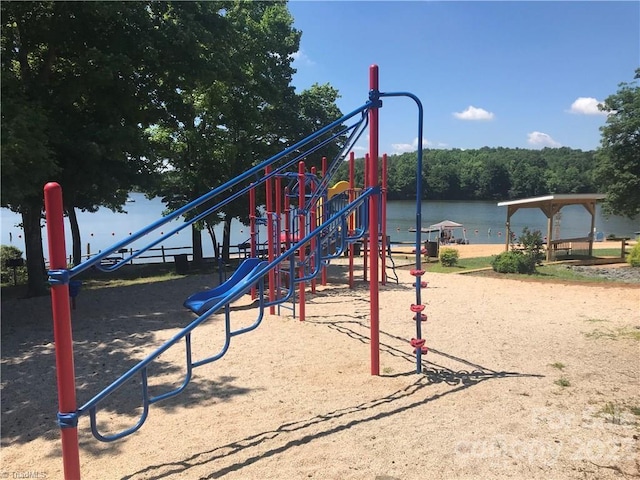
104 228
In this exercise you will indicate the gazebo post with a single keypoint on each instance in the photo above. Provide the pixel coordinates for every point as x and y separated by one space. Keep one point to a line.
510 212
591 208
549 232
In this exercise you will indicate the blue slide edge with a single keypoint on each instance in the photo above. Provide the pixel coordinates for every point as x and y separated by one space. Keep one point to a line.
202 301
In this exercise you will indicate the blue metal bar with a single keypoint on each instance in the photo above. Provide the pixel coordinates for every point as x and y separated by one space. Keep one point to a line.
95 261
128 431
256 277
338 159
217 206
418 217
187 377
232 333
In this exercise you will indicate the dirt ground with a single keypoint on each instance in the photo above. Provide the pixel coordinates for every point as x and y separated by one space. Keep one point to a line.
522 380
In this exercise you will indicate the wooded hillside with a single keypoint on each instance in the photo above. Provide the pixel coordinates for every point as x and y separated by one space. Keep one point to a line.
488 173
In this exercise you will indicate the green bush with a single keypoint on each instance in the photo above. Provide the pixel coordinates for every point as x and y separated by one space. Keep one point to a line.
634 256
448 257
525 257
508 262
9 252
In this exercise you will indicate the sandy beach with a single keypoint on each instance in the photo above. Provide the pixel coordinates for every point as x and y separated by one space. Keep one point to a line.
523 380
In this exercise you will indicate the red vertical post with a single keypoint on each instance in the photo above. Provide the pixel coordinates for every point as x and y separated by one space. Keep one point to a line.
270 234
287 219
323 276
62 332
383 219
252 230
373 221
287 236
352 216
278 192
301 233
314 223
278 234
365 239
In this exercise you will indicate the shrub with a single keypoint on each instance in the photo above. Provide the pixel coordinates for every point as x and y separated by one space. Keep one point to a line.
526 258
508 262
9 252
634 256
532 243
448 257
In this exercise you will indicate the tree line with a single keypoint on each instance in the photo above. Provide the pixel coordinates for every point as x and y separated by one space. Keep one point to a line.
488 173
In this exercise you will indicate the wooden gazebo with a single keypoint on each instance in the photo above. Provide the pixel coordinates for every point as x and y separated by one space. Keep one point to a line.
550 206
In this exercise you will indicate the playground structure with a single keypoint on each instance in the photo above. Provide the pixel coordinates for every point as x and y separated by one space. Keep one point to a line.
301 240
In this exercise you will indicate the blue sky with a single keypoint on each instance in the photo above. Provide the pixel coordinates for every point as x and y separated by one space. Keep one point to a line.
511 74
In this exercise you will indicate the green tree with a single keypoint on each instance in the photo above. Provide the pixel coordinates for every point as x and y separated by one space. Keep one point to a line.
235 121
618 170
527 177
81 82
316 108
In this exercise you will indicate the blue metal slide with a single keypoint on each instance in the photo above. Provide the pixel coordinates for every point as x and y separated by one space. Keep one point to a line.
200 302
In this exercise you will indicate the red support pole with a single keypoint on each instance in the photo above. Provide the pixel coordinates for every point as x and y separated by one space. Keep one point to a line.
365 239
287 219
287 238
270 245
278 238
301 232
252 230
373 223
352 216
383 219
314 224
323 275
62 332
278 233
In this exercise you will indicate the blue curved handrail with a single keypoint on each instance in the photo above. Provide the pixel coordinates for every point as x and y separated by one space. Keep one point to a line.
254 173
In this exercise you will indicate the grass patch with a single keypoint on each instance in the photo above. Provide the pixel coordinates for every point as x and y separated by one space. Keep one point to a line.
635 411
563 382
544 272
126 275
462 265
625 333
560 272
558 365
606 252
611 413
92 284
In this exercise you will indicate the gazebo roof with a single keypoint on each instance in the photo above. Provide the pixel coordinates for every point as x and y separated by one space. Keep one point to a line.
556 199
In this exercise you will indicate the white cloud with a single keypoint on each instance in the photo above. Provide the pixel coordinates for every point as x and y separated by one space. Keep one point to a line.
302 59
539 139
410 147
473 113
586 106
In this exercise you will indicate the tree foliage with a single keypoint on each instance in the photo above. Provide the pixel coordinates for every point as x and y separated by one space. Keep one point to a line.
490 173
98 95
81 83
618 170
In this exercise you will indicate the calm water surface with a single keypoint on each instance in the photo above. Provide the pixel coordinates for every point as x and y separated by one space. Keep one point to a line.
104 228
